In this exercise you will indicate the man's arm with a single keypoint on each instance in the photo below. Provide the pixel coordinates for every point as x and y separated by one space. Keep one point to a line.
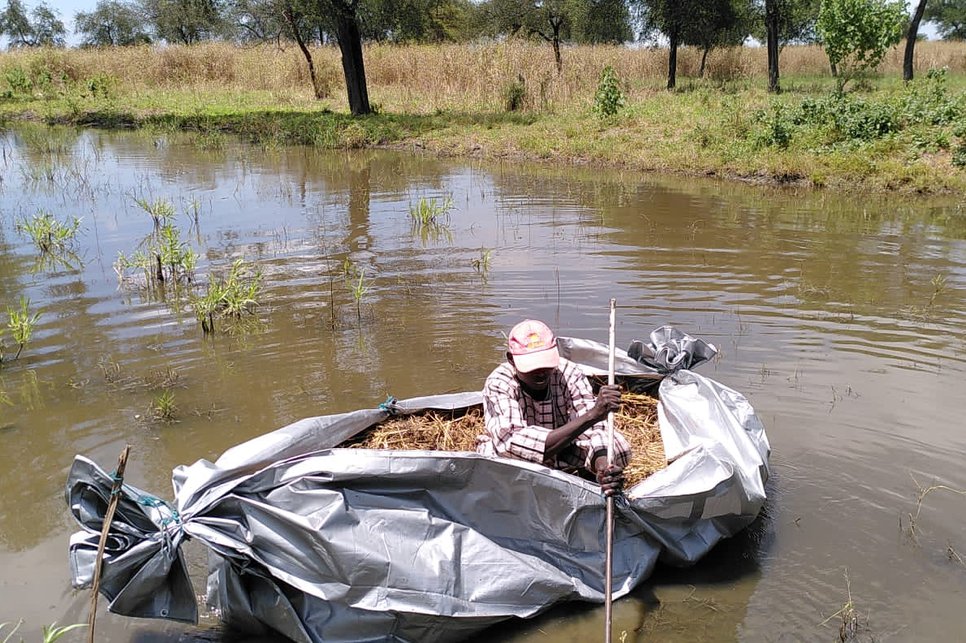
608 399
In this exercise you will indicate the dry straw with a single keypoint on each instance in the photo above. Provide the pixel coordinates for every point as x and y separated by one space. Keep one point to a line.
439 431
425 78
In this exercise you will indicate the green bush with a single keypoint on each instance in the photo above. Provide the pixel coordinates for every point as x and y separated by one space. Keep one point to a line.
514 95
19 81
775 127
609 98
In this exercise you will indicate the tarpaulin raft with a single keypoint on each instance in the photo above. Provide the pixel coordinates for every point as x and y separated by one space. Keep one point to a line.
321 543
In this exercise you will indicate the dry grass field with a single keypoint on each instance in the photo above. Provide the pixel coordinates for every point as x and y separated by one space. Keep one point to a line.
426 78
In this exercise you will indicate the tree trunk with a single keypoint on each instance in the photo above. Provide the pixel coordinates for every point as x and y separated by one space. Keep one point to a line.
833 69
704 59
556 53
289 15
350 44
771 31
911 36
672 59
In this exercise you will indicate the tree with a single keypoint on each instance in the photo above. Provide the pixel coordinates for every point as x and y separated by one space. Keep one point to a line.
602 22
550 20
668 17
45 30
949 17
779 23
716 23
857 34
184 21
416 20
345 19
912 34
112 23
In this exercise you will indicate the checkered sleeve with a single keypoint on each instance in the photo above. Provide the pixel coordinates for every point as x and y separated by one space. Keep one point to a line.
592 443
507 432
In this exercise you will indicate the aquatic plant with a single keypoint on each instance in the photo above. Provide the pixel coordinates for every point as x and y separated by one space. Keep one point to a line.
938 286
429 213
163 407
912 530
229 296
21 324
359 288
50 633
482 264
48 234
160 210
165 258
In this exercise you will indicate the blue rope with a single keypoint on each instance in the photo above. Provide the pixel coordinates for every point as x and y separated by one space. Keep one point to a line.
157 503
389 406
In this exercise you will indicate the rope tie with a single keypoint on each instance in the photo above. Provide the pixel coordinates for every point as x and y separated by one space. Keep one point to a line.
389 406
173 517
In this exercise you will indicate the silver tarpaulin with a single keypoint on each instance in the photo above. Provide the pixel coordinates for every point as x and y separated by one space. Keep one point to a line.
328 544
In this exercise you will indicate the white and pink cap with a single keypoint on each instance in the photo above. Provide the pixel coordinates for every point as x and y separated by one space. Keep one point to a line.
533 346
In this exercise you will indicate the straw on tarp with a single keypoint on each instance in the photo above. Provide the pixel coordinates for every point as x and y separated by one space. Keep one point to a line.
434 430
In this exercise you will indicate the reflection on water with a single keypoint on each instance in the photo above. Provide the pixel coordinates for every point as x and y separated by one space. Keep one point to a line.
841 317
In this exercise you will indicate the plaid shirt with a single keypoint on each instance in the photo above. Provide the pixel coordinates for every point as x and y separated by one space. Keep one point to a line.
517 425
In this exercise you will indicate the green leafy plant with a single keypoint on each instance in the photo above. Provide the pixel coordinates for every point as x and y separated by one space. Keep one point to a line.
230 296
429 213
359 287
165 258
857 34
514 95
51 633
21 324
609 99
48 234
163 407
161 211
482 264
19 81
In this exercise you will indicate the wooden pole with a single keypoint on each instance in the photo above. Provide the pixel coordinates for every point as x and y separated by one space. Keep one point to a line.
108 518
609 575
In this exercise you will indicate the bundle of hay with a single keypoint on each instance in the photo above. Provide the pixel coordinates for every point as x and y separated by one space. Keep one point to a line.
433 430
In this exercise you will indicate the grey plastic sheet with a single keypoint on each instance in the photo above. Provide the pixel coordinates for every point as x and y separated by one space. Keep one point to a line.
321 543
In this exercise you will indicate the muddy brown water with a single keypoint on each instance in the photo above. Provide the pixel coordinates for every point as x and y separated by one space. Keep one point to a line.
841 318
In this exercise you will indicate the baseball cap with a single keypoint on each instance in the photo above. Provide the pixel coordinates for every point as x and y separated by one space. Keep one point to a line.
533 345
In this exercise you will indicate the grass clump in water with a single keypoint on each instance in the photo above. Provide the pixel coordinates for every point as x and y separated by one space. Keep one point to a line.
165 258
161 211
430 213
21 325
48 234
163 407
228 297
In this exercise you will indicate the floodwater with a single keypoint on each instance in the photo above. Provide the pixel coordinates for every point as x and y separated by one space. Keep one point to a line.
841 318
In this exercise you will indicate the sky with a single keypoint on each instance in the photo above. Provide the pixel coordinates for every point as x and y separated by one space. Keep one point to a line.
67 9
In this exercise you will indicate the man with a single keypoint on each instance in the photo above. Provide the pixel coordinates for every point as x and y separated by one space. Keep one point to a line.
540 407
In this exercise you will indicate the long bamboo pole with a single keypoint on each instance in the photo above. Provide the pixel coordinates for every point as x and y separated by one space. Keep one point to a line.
609 575
108 519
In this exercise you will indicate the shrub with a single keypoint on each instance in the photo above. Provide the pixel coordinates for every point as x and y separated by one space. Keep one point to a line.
609 98
514 95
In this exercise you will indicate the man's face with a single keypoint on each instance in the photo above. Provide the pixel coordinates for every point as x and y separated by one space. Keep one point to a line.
536 381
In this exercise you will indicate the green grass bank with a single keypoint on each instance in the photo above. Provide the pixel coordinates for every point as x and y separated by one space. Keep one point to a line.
882 134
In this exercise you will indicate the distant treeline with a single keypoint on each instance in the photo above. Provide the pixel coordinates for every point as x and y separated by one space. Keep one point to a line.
702 25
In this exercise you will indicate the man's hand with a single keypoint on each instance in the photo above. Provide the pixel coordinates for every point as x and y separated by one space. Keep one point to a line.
608 399
611 480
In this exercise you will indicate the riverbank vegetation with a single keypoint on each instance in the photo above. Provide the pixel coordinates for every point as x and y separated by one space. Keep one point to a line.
452 99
